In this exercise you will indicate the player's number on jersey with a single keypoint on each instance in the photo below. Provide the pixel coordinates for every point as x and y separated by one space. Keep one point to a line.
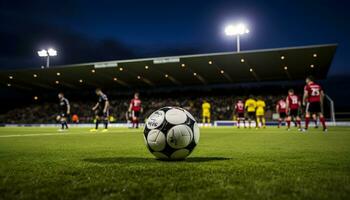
315 92
294 100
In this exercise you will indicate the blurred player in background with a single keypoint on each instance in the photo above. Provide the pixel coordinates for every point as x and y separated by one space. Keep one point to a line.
260 113
64 111
313 99
75 119
293 109
281 109
206 113
135 108
250 106
128 117
101 110
239 112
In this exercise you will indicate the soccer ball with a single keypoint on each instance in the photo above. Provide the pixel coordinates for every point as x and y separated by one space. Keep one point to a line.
171 133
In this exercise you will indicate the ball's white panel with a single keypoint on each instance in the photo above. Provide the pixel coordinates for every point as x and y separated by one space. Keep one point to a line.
180 154
160 155
189 115
175 116
156 140
196 133
155 119
179 136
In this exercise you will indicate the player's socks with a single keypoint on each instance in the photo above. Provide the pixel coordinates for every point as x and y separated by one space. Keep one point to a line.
315 121
62 125
288 123
299 123
137 123
279 123
307 121
323 122
257 123
264 122
96 125
66 124
106 124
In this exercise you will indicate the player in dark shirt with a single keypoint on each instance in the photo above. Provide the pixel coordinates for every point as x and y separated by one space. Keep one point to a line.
293 108
64 111
101 110
313 100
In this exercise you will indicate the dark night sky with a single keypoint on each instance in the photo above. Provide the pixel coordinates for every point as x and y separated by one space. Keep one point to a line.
84 31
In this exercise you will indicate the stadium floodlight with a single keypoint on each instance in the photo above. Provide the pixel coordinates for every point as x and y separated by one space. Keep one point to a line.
236 30
47 53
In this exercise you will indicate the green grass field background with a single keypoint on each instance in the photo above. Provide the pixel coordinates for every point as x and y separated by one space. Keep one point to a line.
228 163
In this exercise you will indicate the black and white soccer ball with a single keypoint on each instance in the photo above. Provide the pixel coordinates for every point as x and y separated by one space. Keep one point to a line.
171 133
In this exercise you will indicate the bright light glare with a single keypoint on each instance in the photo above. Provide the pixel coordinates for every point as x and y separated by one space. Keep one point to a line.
49 52
52 52
42 53
239 29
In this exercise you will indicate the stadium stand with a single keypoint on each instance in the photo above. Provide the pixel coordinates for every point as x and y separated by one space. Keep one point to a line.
161 80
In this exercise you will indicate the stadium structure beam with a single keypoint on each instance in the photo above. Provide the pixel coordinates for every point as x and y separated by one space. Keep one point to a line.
147 81
123 83
173 80
68 85
201 79
226 75
288 74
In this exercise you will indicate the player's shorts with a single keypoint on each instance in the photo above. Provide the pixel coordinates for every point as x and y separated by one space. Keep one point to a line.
260 113
63 114
100 113
240 115
283 115
313 107
251 115
294 113
135 113
206 114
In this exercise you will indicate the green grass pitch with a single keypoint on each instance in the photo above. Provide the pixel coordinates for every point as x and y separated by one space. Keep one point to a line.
228 163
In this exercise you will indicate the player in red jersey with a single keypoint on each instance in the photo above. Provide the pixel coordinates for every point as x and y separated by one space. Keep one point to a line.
293 107
239 112
135 109
281 109
313 99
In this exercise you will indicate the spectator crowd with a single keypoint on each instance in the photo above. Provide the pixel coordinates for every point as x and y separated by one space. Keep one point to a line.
221 108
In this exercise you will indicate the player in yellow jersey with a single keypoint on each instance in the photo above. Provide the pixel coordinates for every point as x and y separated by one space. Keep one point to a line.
250 106
260 113
205 113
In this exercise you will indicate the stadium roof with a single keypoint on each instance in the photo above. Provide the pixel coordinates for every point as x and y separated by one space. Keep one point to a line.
293 63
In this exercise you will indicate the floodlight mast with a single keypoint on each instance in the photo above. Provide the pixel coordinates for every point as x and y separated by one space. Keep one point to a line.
47 53
236 30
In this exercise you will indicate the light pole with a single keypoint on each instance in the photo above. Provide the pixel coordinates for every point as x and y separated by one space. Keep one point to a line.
236 30
47 53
